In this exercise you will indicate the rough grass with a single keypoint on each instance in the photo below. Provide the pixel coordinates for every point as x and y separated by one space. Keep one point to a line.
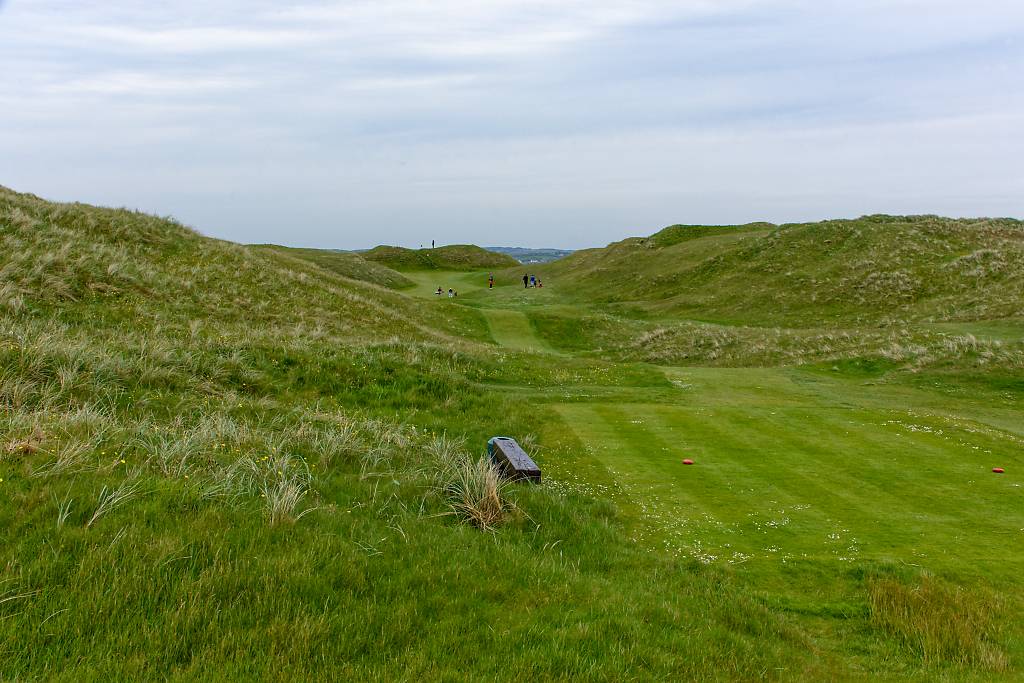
942 623
347 264
900 345
849 272
136 265
477 493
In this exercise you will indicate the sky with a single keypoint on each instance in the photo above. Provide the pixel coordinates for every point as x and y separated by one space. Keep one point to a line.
517 123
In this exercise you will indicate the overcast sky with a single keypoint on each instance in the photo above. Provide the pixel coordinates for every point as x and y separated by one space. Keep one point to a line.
525 123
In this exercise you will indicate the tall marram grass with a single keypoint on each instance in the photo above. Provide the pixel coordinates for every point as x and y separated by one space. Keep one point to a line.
944 624
473 489
477 493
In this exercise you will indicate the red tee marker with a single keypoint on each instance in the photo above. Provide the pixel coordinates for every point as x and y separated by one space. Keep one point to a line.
997 470
687 462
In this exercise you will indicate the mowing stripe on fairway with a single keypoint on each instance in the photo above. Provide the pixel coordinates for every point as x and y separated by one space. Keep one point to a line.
514 330
797 481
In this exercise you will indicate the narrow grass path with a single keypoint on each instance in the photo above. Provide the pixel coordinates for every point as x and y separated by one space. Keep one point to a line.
509 328
514 330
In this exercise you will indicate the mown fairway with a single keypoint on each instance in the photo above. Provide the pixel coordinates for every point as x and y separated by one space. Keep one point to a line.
790 466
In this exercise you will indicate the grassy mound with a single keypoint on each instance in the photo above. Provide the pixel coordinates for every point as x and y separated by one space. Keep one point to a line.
142 271
345 263
862 271
451 257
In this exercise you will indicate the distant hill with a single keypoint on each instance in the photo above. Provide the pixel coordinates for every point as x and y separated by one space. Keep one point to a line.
527 255
345 263
850 271
451 257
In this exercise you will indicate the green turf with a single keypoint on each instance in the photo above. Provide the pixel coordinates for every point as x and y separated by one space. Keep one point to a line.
507 327
513 330
788 469
1007 330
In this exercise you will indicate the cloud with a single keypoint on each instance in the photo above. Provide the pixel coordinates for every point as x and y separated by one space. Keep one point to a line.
190 40
584 117
141 83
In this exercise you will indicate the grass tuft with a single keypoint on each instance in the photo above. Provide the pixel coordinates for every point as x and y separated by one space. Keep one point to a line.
26 445
113 498
282 480
477 494
70 456
63 509
282 499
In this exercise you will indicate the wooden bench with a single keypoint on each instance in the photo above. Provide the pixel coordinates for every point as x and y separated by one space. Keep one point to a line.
511 460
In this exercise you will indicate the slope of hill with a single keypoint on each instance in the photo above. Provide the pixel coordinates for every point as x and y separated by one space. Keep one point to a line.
144 268
870 269
345 263
450 257
640 268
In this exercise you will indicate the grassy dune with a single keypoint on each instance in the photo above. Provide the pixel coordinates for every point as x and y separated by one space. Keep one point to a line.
837 272
224 462
345 263
450 257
